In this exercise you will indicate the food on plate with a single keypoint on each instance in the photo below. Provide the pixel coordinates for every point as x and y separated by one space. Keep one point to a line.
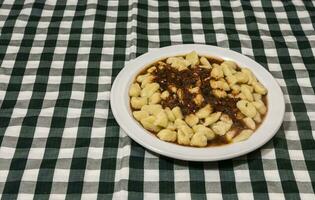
198 101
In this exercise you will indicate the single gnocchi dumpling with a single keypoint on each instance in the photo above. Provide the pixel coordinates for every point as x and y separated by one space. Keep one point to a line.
226 118
191 120
257 118
247 108
147 80
180 94
229 135
217 72
259 88
199 140
204 112
167 135
204 130
241 77
247 93
165 94
219 93
151 69
221 127
228 68
183 138
199 99
192 58
260 106
134 90
149 89
251 77
178 63
138 102
232 65
161 119
212 118
155 98
172 88
205 63
148 123
250 123
187 130
232 80
141 78
139 115
220 84
153 109
180 122
177 112
194 90
243 135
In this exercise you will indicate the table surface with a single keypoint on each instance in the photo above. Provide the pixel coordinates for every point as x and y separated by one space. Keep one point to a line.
58 137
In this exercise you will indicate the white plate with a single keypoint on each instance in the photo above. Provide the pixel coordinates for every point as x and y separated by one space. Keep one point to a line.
120 106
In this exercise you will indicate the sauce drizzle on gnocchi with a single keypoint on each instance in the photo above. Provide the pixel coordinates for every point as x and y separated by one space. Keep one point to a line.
198 101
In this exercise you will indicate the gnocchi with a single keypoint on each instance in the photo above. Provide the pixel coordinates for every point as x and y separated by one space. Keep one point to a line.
149 89
170 114
191 120
146 81
247 93
134 90
247 108
155 98
148 123
165 94
250 123
139 115
259 88
161 119
167 135
178 63
212 118
199 140
192 58
220 84
183 138
138 102
205 63
243 135
177 112
221 127
152 109
198 101
204 112
217 72
204 130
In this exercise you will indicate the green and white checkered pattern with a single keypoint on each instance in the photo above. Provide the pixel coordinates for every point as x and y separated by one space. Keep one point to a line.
58 137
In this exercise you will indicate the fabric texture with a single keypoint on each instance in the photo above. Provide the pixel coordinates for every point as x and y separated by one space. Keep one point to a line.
59 139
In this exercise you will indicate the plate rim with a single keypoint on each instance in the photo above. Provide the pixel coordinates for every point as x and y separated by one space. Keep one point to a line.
134 67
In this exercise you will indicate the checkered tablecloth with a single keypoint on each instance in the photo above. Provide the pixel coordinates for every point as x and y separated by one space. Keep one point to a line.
58 137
